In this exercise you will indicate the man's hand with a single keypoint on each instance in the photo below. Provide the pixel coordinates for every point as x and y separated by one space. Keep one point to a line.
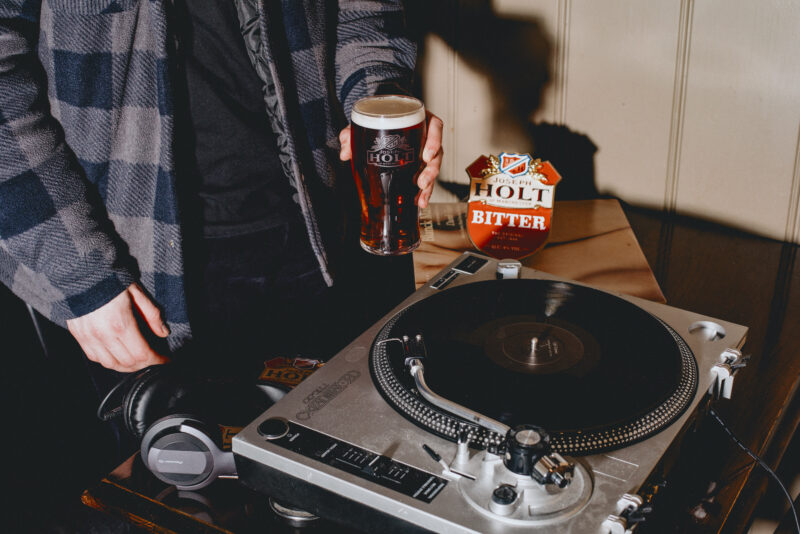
431 154
110 336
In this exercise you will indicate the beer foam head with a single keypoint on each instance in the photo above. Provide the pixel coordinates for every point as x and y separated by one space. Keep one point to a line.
388 112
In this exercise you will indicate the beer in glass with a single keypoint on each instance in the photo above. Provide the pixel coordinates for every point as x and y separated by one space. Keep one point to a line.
387 136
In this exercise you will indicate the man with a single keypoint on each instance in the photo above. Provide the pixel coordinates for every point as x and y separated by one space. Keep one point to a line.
122 192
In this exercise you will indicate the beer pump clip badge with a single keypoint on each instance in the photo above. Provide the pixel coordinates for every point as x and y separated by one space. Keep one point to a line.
510 204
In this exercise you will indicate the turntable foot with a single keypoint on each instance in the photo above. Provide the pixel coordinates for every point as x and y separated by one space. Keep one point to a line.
291 515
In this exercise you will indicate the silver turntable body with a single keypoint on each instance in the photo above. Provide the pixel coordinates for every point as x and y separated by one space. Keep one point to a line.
336 447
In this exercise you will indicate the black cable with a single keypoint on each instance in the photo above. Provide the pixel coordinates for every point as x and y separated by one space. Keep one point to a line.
38 327
760 462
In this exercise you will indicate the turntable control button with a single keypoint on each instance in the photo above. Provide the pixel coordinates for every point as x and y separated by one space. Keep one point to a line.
273 428
504 494
471 264
445 279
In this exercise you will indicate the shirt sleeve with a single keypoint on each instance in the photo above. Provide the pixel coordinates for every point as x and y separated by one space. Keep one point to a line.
374 55
58 249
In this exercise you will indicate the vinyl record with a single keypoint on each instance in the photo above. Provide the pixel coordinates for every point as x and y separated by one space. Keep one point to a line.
593 369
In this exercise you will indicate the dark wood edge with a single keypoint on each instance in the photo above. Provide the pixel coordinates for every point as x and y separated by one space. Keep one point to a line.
142 511
754 484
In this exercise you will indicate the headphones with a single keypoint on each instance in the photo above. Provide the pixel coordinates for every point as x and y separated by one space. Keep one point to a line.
183 451
181 417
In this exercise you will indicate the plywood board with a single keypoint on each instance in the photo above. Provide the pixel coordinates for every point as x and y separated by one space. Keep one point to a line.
591 242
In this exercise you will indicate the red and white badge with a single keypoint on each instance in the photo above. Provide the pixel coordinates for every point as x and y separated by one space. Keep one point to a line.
510 204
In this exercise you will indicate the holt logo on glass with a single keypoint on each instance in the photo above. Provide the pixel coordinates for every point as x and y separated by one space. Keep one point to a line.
390 151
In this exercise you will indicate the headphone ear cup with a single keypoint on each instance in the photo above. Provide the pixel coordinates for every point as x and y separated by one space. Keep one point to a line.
182 450
172 388
152 396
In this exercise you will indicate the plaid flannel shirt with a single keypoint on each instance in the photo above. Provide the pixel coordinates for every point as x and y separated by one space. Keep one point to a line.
88 193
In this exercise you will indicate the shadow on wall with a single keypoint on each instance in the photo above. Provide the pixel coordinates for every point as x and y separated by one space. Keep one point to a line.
515 56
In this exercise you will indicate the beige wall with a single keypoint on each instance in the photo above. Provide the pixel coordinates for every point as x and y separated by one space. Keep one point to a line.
692 105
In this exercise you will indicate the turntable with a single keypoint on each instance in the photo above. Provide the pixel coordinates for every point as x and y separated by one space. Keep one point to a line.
494 399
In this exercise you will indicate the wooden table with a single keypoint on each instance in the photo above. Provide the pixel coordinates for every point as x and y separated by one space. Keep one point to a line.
699 266
590 241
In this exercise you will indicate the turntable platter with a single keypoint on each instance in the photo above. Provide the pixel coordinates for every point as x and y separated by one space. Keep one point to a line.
593 369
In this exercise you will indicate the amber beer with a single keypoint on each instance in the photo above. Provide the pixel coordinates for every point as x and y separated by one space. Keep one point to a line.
387 136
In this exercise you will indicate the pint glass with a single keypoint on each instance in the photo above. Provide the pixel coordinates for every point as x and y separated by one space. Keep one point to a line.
387 136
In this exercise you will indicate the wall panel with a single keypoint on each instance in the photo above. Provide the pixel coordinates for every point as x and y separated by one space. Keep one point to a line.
438 67
742 114
620 91
693 105
478 118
